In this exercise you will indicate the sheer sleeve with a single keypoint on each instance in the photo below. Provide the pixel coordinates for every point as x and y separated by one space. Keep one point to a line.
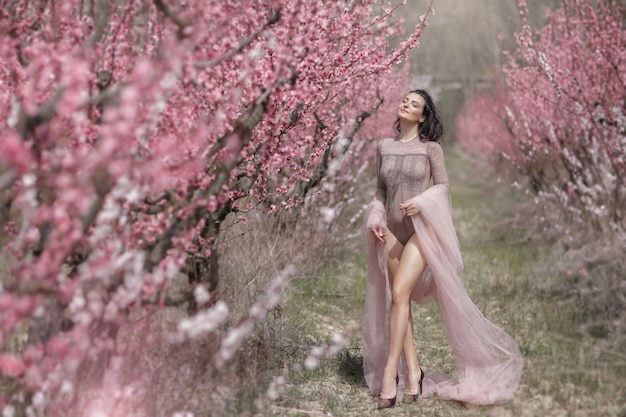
437 165
376 215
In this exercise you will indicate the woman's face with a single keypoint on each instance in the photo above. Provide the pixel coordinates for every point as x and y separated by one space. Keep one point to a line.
411 108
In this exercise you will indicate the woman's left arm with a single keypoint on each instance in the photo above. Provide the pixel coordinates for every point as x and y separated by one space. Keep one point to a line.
437 165
439 176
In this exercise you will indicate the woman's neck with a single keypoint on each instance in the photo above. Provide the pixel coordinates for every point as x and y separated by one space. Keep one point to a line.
408 132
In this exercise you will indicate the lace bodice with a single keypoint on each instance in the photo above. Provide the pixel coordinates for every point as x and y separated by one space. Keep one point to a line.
404 170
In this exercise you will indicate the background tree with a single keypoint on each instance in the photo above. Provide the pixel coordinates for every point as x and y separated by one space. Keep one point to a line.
463 47
560 117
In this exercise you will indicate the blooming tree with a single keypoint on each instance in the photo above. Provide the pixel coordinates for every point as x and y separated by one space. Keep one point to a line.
130 129
560 115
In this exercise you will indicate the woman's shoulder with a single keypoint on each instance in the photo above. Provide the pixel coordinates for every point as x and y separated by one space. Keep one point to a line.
385 142
433 147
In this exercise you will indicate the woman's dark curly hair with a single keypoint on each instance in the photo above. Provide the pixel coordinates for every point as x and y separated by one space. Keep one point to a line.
431 128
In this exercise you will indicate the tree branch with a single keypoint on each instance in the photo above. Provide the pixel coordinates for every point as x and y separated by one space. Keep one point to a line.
236 141
358 123
45 112
421 27
274 17
181 23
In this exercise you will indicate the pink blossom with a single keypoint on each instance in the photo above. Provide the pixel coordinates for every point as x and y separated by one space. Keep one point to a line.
11 365
550 116
140 134
15 152
58 346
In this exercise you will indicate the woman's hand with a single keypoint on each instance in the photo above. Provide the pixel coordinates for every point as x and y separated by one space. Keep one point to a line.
380 233
410 209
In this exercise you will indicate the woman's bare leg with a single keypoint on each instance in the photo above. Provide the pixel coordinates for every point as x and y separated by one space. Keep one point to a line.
394 252
410 356
405 264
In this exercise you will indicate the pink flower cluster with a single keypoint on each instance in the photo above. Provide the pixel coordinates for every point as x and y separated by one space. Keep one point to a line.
126 127
560 114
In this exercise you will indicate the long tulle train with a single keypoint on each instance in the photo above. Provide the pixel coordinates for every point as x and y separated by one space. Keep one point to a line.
489 364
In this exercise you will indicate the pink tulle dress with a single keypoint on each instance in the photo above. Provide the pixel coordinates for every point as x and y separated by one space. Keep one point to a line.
488 361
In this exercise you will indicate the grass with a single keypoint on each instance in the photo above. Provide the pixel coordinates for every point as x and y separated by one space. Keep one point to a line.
570 332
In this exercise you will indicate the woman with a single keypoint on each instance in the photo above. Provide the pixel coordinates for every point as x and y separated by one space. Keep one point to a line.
414 255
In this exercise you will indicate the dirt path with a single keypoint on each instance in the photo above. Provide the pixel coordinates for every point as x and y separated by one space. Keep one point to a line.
569 370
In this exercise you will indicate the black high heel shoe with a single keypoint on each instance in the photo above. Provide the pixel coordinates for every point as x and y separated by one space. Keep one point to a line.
411 398
388 402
